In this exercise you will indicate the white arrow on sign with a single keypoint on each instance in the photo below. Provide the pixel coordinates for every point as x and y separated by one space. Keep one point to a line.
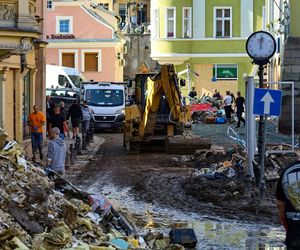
267 99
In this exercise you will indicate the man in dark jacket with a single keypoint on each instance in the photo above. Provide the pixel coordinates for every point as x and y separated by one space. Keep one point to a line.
75 113
288 204
57 120
193 93
239 103
49 111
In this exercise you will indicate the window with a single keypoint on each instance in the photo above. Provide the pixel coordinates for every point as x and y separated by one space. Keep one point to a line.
68 60
142 13
104 5
49 4
63 81
26 104
170 23
104 97
64 25
225 71
122 11
222 24
91 62
187 22
155 24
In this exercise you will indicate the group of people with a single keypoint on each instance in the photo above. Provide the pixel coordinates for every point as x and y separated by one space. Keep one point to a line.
239 102
57 128
58 116
229 101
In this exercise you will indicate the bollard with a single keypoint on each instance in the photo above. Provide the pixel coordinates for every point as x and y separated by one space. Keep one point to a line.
83 145
72 153
68 158
92 128
78 145
88 136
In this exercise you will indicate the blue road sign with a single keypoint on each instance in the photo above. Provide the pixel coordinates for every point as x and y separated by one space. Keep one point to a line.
267 102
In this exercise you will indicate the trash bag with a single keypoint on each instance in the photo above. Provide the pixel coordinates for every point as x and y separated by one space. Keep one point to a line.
221 120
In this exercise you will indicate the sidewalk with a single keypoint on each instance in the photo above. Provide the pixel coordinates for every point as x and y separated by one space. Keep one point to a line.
80 161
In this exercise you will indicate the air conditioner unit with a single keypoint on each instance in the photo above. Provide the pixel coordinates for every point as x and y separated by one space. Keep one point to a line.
124 49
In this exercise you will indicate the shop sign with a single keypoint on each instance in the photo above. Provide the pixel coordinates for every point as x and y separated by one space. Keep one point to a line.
61 36
225 71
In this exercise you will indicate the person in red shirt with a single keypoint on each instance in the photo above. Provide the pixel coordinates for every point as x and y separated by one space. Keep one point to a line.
36 121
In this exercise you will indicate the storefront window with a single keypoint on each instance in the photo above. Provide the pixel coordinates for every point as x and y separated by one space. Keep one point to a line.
26 105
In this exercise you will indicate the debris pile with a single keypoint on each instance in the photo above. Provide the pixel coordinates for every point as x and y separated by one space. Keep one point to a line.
208 111
221 176
37 212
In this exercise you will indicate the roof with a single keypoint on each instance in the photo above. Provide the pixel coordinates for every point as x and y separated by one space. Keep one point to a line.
103 85
94 14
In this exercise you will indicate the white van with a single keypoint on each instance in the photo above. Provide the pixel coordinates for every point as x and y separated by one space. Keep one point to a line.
63 77
107 103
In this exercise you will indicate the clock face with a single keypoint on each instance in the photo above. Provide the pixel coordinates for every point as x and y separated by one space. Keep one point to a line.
261 46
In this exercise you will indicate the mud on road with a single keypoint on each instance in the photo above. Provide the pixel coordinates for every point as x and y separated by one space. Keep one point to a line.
163 179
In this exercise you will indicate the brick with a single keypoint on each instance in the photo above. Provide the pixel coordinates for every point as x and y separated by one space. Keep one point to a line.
296 69
291 61
286 69
291 53
290 77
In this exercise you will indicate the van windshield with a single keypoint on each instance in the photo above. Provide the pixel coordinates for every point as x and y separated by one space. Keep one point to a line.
104 97
76 80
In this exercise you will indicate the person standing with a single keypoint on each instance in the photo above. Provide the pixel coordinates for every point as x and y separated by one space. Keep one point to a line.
216 95
75 113
193 93
239 103
63 112
227 106
56 152
57 120
288 204
36 121
86 117
49 110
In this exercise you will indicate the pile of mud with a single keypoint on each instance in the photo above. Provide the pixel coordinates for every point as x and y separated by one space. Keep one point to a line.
221 178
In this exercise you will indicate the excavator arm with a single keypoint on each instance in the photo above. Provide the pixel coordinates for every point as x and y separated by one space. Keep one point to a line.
164 83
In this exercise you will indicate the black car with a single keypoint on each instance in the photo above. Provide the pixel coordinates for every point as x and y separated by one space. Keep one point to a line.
68 96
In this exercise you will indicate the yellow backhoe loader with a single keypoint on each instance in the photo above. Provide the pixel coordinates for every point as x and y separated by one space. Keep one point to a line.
158 117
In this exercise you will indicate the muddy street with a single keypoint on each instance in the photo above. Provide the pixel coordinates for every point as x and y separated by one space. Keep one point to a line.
154 188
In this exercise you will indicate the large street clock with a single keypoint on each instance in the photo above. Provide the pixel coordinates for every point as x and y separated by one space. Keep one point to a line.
261 46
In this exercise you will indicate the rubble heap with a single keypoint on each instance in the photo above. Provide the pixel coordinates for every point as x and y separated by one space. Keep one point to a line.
35 215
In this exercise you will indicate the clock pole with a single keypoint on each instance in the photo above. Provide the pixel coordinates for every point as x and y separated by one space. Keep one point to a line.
261 142
261 46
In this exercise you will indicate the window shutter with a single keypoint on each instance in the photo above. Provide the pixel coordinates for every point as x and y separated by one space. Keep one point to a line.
91 62
68 60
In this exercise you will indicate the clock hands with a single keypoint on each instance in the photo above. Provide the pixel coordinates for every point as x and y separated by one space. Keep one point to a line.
261 42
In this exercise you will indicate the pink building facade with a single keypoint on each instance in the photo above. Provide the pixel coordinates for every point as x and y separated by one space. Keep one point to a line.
84 37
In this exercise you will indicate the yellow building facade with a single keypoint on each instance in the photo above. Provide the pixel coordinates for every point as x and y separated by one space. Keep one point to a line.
21 77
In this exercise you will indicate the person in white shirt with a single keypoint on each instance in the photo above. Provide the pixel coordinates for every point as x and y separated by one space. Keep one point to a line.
227 106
